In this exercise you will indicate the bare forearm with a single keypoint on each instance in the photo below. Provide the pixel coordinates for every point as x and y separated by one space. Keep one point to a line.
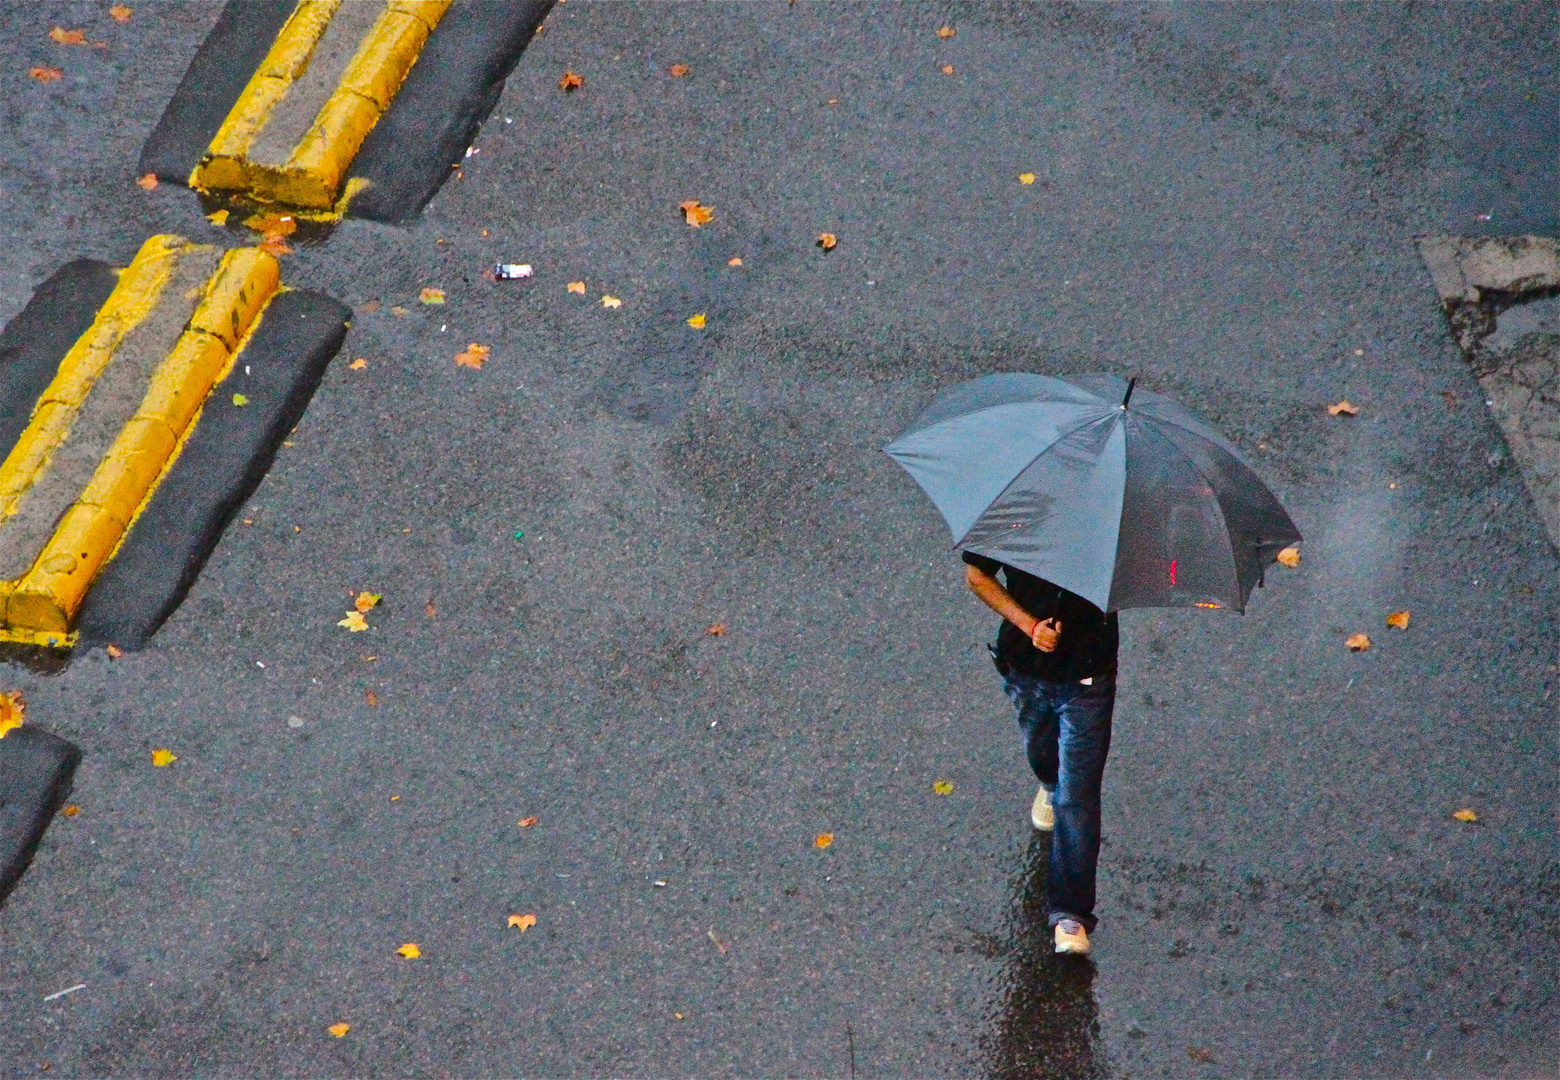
994 596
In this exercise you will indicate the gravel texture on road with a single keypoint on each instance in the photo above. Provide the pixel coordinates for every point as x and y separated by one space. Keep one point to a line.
1224 206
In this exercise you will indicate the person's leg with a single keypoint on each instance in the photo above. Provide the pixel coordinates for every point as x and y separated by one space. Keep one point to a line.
1037 720
1084 742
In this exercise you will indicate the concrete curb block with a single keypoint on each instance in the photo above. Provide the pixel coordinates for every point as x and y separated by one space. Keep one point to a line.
40 606
312 175
36 773
224 459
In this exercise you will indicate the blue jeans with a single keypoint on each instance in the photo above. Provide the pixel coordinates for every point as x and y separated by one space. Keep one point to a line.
1066 730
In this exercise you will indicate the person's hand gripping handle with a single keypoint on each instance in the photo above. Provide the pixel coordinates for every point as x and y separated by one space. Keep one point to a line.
1046 633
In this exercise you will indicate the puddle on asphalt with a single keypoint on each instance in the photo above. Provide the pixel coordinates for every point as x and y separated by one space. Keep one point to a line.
1048 1022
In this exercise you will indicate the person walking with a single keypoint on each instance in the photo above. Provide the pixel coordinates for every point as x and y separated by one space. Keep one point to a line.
1056 653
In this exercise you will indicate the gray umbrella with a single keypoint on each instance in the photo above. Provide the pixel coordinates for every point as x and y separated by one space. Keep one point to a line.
1126 499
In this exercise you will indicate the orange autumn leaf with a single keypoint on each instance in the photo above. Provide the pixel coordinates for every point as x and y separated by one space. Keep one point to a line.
526 822
12 711
163 758
120 13
1466 816
522 922
945 32
358 365
45 74
696 321
70 811
679 70
339 1030
473 356
1343 408
370 697
1398 619
430 610
577 287
570 81
1357 643
367 601
947 69
410 950
827 241
696 213
735 260
823 840
274 244
1290 556
716 630
147 182
431 296
114 652
68 37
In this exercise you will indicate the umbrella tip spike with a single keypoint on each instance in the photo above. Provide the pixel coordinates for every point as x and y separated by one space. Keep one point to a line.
1130 384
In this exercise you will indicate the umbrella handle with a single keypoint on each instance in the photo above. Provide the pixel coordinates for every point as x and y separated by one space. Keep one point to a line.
1131 383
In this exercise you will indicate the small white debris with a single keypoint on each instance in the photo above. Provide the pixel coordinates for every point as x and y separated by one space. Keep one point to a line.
442 327
511 271
295 721
258 664
508 120
67 990
472 150
713 723
246 369
659 884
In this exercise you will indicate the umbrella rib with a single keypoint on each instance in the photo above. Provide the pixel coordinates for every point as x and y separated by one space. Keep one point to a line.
1053 444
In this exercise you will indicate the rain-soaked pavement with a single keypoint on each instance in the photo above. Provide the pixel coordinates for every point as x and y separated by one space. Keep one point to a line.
1224 206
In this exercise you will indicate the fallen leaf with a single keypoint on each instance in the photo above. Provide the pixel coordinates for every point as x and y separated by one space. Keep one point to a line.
610 301
370 307
339 1030
942 787
823 840
946 32
1398 619
577 287
827 241
570 81
1466 816
1290 556
526 822
120 13
431 296
269 224
358 365
12 710
522 922
354 622
679 70
430 610
274 244
240 400
70 811
114 652
1026 178
1358 643
734 261
370 697
217 217
947 69
397 310
410 950
473 356
367 601
716 630
68 37
1200 1053
163 758
48 74
147 182
696 213
1343 408
696 321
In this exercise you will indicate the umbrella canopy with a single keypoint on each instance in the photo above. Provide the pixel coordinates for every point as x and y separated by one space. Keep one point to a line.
1127 499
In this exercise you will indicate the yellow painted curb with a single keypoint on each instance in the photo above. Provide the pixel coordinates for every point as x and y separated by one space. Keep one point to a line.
47 597
313 173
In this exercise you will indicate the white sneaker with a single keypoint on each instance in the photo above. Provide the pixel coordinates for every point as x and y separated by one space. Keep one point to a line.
1071 937
1041 813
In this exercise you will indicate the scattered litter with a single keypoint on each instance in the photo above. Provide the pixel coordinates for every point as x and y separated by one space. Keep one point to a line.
67 990
519 534
713 723
260 664
511 271
295 721
659 884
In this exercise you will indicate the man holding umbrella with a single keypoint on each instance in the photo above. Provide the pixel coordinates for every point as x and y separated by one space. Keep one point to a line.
1085 507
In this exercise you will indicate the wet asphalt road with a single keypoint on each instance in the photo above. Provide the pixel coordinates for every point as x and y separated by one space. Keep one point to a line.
1224 207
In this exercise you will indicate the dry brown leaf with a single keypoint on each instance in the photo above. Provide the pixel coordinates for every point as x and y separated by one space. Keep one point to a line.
735 260
370 307
1290 556
45 74
397 310
823 840
526 822
68 37
947 69
70 811
1399 619
358 365
473 356
679 70
370 697
431 296
163 758
946 32
339 1030
1343 408
1465 815
120 13
1200 1053
696 213
410 950
577 287
1357 643
522 922
716 630
430 610
367 601
570 81
114 652
12 711
827 241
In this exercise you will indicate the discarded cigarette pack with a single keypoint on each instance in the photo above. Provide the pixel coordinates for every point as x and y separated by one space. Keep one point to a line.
510 271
